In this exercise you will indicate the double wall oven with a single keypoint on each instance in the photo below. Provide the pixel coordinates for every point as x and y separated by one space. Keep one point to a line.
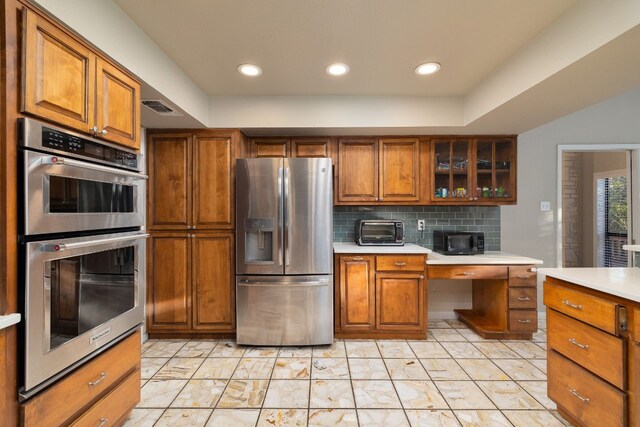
82 248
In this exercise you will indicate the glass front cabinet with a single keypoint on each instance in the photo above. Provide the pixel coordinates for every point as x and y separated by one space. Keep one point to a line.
477 171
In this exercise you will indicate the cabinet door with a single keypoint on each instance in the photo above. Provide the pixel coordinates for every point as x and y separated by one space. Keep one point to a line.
117 105
357 301
311 147
213 174
169 199
495 170
451 174
400 301
213 282
270 148
399 170
58 75
169 281
358 170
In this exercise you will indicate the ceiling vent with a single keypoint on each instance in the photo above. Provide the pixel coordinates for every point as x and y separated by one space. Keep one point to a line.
160 107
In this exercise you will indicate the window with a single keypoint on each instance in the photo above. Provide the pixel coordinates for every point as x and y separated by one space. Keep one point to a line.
611 221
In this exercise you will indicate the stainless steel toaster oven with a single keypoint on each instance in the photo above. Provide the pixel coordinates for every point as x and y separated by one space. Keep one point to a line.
379 232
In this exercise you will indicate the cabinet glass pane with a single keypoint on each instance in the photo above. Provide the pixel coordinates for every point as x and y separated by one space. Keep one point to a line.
442 168
484 169
503 167
460 169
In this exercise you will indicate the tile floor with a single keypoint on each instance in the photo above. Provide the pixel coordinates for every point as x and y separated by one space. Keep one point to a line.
453 378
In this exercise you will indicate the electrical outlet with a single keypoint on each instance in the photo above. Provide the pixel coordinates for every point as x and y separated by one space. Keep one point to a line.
421 224
545 206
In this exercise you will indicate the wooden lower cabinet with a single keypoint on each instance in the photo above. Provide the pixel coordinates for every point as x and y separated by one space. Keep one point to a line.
380 296
190 283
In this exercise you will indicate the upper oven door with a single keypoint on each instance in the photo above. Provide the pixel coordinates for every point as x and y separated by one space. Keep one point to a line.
378 232
67 195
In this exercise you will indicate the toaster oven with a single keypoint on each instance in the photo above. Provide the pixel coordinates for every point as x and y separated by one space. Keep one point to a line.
379 232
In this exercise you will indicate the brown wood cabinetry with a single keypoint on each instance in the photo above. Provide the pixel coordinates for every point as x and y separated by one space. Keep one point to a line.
301 147
381 296
357 170
66 82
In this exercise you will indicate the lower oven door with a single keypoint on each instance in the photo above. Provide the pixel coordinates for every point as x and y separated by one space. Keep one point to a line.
81 293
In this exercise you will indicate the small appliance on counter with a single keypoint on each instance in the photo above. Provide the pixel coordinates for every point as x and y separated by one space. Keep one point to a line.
372 232
458 242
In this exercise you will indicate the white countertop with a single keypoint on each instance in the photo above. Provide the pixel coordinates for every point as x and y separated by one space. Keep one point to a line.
632 248
488 258
9 319
621 282
352 248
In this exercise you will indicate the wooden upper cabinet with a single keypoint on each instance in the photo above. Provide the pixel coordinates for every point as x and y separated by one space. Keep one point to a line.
58 74
117 105
169 191
358 170
213 172
270 148
357 293
311 147
399 170
400 301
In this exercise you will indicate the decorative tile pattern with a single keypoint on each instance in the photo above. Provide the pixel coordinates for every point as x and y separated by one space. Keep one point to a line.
331 394
283 417
287 393
375 394
333 417
368 369
406 369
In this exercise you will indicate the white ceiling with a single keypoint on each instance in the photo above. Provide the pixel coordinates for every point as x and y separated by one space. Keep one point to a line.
381 40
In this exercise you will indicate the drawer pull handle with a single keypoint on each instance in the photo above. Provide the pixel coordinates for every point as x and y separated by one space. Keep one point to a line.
524 321
533 269
572 305
103 375
103 421
577 344
357 258
401 264
524 299
468 273
523 276
576 394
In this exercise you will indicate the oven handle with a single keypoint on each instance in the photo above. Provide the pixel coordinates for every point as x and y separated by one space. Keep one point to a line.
55 160
64 246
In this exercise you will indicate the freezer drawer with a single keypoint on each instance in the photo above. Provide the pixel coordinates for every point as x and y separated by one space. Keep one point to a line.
284 310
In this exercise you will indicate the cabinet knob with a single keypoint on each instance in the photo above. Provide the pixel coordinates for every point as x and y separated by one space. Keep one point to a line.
421 276
93 129
103 132
103 421
357 258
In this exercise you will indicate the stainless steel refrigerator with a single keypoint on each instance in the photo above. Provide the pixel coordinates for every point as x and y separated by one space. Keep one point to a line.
284 244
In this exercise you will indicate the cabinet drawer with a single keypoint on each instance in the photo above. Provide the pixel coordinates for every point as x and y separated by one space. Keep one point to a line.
523 298
467 272
587 398
111 409
400 263
524 275
71 394
601 353
590 309
523 320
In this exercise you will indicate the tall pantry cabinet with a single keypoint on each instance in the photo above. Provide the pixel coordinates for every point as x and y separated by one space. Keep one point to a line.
190 268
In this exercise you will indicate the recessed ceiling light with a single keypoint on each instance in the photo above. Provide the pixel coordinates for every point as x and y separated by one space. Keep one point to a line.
249 70
337 69
427 68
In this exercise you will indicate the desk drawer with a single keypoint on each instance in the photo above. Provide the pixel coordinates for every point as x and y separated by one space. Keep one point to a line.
523 275
523 298
523 320
467 272
400 263
599 352
587 398
595 311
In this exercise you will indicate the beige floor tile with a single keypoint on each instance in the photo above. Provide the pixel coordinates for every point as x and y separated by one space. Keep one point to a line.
375 394
439 324
562 419
532 419
234 418
429 350
538 389
160 393
395 349
496 350
143 417
184 417
295 352
540 364
443 335
457 324
431 418
482 369
527 350
217 368
283 417
472 336
164 348
179 368
382 418
289 393
464 395
444 369
147 344
200 394
197 348
333 418
419 395
508 395
227 349
362 349
368 369
331 394
472 418
463 350
258 368
262 352
243 394
292 368
540 336
520 369
336 349
151 365
330 368
406 369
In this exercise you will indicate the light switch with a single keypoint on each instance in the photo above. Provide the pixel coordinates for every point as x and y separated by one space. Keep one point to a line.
545 206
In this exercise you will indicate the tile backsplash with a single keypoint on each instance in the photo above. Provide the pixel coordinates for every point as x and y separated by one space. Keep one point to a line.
459 218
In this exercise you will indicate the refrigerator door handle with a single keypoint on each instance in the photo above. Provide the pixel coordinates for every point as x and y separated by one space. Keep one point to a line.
287 213
280 215
283 285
